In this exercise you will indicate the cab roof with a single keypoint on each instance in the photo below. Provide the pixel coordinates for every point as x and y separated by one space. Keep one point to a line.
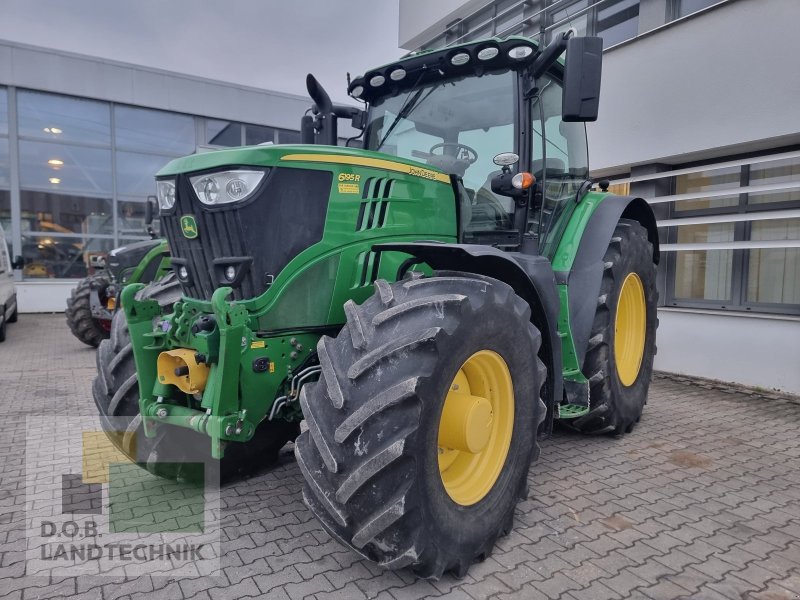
472 58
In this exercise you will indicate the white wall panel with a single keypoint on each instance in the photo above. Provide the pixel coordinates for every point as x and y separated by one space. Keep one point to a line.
72 74
751 350
721 82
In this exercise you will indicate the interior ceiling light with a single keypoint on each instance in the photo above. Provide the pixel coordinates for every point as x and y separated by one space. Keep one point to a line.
54 180
55 162
55 130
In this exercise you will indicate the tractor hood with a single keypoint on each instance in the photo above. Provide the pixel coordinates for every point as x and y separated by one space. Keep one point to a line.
292 155
236 218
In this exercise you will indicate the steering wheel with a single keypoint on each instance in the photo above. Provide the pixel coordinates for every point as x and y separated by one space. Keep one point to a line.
471 154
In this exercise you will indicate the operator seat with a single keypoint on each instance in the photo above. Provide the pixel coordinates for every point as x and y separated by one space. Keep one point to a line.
490 212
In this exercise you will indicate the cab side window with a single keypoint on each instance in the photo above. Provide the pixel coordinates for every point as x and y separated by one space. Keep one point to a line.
560 164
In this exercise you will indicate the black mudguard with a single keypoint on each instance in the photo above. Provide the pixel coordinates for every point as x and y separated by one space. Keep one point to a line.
585 277
531 277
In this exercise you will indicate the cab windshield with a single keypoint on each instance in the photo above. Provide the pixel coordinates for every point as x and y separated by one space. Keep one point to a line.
456 126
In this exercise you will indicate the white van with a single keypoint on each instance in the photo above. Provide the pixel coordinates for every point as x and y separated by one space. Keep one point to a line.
8 291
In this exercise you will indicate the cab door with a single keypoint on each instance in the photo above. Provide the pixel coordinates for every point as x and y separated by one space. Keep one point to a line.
560 164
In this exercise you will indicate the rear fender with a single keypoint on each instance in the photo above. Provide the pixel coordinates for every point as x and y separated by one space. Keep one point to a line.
585 276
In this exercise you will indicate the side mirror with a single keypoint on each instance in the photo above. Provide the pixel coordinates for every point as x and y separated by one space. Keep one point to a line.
150 210
505 183
582 71
18 262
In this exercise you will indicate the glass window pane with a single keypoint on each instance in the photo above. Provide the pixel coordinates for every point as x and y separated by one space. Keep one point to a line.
687 7
62 167
4 173
478 34
774 273
63 119
61 213
509 14
136 173
154 131
564 171
3 111
60 257
704 274
580 22
727 178
287 136
618 21
223 133
775 171
256 134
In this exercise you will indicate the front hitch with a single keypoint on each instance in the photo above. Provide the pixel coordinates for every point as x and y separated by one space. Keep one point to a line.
221 417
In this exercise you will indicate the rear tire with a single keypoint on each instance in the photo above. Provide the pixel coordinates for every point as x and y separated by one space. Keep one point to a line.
15 316
3 331
616 404
79 311
372 454
175 452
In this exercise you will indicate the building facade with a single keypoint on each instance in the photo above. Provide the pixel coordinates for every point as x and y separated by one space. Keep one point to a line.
80 141
699 115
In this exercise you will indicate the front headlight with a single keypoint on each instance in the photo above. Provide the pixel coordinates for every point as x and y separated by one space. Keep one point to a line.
166 193
226 186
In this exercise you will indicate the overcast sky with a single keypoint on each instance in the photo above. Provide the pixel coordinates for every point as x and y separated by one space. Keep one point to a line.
269 44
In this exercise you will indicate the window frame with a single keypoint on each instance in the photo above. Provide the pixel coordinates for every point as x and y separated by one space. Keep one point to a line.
591 11
674 9
741 257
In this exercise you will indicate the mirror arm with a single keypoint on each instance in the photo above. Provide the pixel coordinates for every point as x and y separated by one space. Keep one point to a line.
358 117
551 53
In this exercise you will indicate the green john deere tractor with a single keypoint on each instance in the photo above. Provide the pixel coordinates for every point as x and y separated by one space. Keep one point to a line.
430 302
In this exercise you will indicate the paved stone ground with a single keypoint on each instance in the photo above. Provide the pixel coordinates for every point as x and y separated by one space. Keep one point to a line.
702 500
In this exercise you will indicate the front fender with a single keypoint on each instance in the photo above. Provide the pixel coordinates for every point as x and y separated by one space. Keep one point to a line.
532 279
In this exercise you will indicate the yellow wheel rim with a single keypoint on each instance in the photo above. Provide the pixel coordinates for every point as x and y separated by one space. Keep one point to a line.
630 328
475 427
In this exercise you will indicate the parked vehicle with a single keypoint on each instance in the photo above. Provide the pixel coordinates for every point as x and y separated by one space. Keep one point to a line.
8 291
93 302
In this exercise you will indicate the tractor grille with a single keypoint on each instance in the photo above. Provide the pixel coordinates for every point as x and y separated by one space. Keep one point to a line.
259 236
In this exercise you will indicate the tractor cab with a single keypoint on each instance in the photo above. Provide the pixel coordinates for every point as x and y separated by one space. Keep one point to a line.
483 113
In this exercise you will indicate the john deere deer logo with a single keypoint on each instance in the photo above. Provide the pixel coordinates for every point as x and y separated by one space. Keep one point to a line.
189 227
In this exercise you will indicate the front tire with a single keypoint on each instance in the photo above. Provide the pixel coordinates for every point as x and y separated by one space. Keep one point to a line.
378 457
80 320
619 358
